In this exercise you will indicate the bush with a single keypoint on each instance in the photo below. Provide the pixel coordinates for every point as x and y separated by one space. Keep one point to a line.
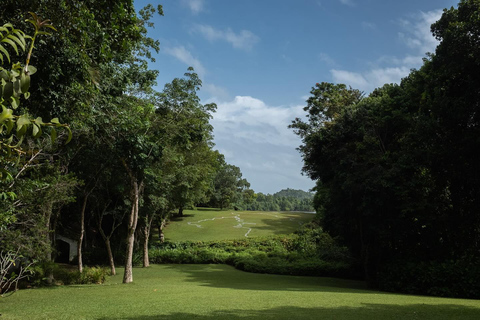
66 275
95 275
308 252
453 278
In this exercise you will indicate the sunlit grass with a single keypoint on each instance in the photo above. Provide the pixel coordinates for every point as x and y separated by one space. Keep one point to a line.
210 225
221 292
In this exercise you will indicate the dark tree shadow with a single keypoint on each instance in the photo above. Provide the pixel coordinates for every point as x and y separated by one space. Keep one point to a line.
279 226
364 311
220 276
181 218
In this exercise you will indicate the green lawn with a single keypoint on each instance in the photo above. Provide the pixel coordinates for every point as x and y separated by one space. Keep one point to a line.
222 292
210 225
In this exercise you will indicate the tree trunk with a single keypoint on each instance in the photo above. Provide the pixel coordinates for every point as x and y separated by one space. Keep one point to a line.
106 238
161 236
49 238
180 211
146 261
110 257
147 230
82 232
132 225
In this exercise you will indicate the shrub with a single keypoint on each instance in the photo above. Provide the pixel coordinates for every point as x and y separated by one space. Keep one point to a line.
66 275
94 275
308 252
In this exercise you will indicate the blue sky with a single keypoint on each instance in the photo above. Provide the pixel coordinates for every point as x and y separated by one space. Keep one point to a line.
258 60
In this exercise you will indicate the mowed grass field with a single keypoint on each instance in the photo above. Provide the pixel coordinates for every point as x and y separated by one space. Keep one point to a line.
211 225
222 292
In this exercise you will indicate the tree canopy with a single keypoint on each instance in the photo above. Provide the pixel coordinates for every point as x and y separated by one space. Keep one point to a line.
397 171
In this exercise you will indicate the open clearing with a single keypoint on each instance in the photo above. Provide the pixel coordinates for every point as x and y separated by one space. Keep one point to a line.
222 292
211 225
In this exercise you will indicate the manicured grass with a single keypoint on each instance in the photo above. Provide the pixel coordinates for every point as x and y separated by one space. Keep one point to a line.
210 225
221 292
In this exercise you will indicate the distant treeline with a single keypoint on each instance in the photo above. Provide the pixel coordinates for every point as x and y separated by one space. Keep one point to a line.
284 200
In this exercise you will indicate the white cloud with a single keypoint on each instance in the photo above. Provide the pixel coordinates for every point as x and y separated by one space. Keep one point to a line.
416 36
196 6
354 79
186 57
371 79
349 3
244 40
251 119
255 137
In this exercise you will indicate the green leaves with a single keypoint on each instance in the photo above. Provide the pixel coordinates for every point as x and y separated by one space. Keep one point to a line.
15 82
39 24
10 37
5 115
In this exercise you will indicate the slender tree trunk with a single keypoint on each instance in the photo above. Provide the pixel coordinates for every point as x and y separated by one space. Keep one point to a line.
49 238
180 211
106 239
160 227
82 232
132 225
110 257
160 230
147 229
146 260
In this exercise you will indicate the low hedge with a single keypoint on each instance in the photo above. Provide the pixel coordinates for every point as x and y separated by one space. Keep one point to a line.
310 252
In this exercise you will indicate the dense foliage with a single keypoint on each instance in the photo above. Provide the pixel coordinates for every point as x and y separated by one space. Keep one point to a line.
398 171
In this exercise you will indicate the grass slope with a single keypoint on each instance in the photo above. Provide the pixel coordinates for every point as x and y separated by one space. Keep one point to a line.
211 225
220 292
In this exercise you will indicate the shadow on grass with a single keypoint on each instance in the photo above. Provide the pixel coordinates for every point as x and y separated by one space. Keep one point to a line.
180 218
224 276
364 311
280 226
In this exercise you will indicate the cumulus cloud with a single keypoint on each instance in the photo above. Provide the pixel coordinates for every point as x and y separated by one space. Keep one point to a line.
244 39
251 119
255 137
183 55
415 35
196 6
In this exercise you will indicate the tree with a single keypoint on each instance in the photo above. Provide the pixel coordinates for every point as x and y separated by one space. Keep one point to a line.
15 82
190 139
228 185
397 171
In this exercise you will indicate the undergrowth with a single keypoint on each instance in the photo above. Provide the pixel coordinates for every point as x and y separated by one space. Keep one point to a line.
309 251
48 273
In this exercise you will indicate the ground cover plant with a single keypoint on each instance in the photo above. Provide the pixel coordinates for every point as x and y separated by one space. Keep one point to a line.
221 292
209 225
